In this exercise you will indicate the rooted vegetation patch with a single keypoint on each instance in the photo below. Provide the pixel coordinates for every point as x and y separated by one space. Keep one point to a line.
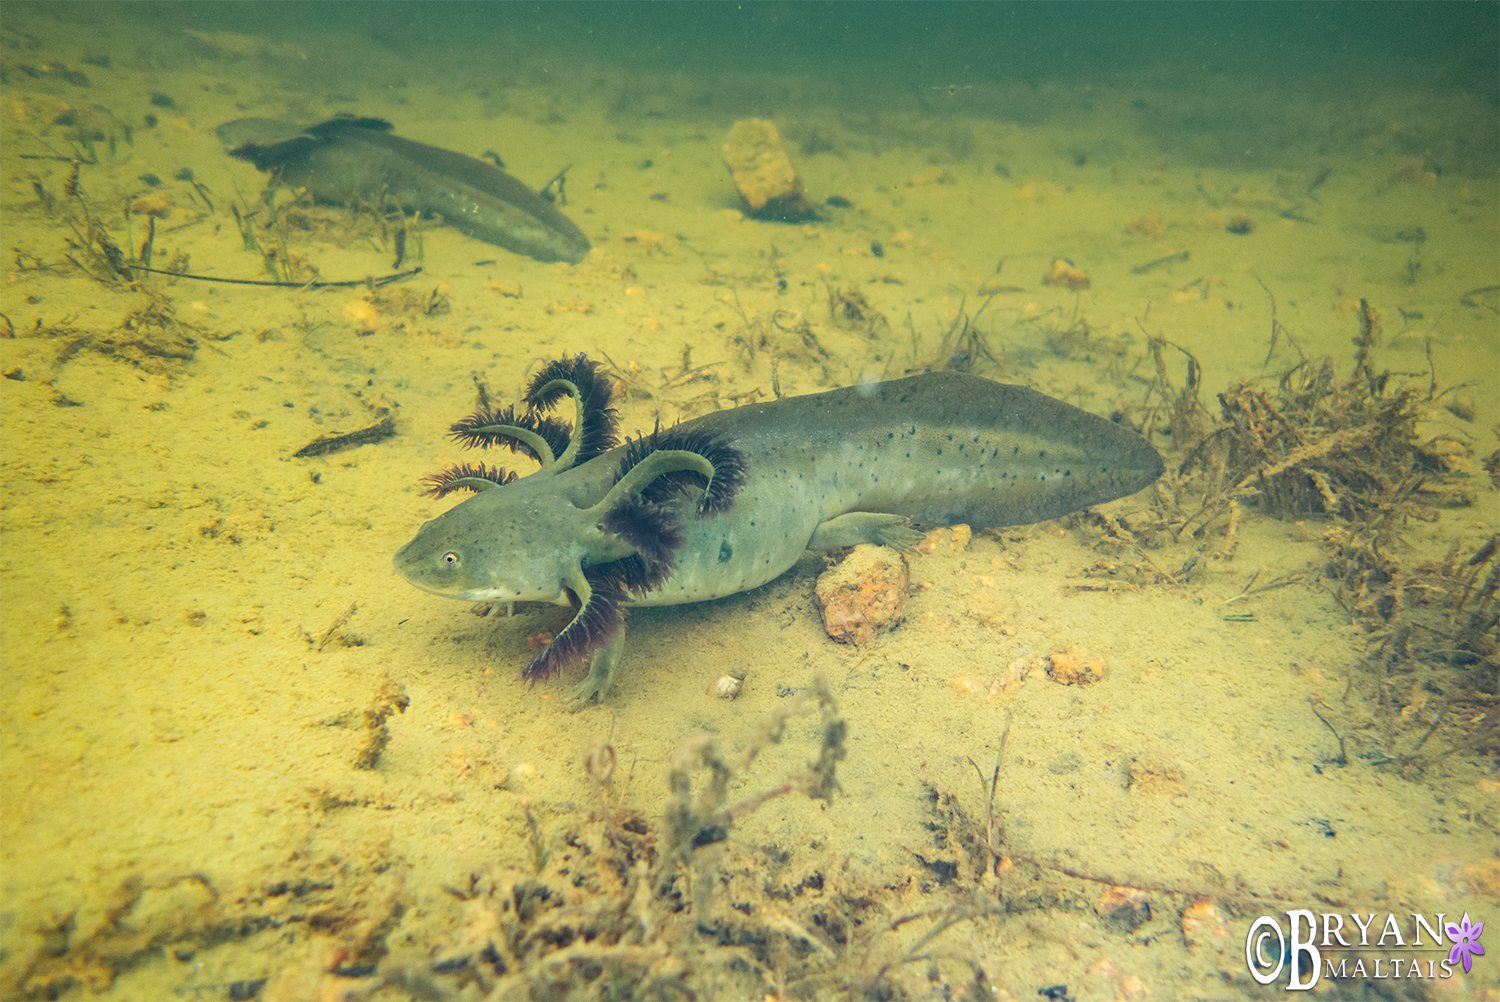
1345 449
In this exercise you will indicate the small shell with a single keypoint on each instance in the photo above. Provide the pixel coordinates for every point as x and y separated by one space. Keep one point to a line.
364 316
600 763
728 686
966 685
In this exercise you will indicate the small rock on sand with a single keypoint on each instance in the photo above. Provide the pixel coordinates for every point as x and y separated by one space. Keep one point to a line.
1075 666
863 594
764 173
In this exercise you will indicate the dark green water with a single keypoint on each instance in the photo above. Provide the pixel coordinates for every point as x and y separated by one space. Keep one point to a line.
1448 45
1216 79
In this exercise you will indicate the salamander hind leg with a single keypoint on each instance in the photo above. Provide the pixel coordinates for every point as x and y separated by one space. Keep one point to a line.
857 527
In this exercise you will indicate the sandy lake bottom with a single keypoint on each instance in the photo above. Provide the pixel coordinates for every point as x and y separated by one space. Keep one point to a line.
203 635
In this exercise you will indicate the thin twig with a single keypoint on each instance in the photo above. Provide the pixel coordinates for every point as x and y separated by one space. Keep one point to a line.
352 283
1343 759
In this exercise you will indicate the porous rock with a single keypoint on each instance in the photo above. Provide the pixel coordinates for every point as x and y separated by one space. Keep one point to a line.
864 594
763 172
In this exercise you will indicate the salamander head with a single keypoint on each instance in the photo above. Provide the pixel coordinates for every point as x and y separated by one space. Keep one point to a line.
500 546
524 540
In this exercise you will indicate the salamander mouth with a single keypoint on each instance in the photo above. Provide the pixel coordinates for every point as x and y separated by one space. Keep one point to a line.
469 595
488 594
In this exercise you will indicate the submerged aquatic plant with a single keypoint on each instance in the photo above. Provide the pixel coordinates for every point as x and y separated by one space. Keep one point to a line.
1345 448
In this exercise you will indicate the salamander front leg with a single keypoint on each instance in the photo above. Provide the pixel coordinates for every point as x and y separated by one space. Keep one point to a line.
597 628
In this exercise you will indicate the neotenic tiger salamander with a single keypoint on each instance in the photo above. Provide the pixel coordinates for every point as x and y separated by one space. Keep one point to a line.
730 500
348 160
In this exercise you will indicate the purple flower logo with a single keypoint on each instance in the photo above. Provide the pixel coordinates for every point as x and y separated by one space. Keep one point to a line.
1465 941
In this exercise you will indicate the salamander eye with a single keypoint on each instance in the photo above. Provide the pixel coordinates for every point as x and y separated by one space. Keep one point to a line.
450 558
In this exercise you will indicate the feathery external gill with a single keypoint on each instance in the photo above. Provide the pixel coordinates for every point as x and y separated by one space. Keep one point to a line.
728 463
464 477
654 532
555 444
596 425
541 438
